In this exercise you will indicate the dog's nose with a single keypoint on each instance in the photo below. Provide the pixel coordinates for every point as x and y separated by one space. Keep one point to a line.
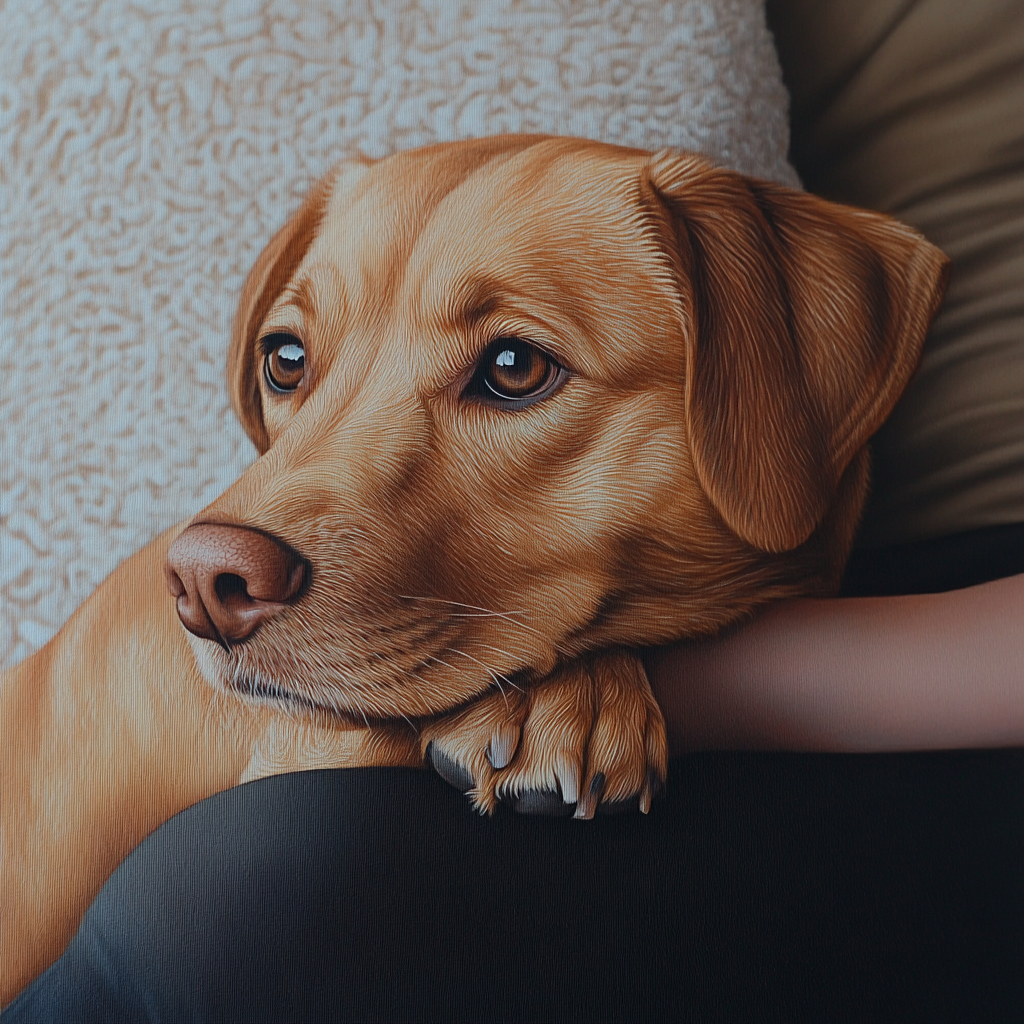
229 579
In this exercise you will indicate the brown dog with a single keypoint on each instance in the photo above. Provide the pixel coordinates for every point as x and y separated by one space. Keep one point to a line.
524 405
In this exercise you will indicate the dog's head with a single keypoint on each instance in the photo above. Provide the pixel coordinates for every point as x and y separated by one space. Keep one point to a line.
524 397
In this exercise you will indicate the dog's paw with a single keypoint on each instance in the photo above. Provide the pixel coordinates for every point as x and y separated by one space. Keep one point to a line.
588 737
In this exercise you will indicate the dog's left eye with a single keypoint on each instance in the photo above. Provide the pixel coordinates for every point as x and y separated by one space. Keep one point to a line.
513 370
284 361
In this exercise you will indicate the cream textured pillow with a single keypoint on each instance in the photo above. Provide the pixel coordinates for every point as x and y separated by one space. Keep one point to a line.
149 152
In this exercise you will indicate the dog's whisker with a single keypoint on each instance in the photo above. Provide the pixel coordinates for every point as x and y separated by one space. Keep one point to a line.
455 668
441 661
494 675
467 675
507 654
484 615
426 682
477 610
474 611
412 725
501 690
499 650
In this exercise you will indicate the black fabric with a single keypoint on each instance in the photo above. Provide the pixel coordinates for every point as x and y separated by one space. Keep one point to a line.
946 563
760 887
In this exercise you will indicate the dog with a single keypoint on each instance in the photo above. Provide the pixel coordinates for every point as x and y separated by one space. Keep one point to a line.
524 405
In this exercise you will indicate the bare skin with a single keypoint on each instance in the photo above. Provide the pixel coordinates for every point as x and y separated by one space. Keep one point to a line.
920 672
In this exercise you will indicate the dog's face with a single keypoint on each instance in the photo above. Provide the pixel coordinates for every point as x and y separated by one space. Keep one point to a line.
525 397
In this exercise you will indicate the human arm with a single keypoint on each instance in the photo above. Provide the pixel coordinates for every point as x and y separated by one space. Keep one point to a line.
916 672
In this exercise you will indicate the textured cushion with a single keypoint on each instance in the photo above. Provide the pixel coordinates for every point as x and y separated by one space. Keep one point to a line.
150 150
916 107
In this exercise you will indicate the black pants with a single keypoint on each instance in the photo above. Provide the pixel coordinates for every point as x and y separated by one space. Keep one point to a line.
760 887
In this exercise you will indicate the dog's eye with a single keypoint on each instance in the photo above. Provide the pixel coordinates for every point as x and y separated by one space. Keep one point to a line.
514 370
284 361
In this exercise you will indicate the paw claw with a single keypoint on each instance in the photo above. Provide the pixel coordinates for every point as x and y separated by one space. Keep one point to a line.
568 777
652 788
452 772
586 808
589 732
502 748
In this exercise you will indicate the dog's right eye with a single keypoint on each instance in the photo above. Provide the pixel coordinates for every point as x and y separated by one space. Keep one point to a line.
514 372
284 361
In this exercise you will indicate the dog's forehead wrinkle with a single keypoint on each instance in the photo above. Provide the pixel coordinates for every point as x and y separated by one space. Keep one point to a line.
376 227
493 197
284 317
481 295
301 294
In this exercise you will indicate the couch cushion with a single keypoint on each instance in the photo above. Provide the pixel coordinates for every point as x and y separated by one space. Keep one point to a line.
916 107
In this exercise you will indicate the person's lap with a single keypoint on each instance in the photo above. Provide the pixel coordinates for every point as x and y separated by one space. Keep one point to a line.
781 886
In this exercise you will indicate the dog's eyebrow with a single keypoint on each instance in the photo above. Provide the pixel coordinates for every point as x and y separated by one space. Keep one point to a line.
302 294
480 298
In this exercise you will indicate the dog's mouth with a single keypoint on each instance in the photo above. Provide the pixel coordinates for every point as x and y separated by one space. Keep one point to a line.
272 692
222 670
259 690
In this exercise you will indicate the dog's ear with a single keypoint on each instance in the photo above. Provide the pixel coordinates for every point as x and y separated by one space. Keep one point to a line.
272 271
807 323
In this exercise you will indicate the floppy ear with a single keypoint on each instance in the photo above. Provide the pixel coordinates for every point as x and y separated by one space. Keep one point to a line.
807 323
272 271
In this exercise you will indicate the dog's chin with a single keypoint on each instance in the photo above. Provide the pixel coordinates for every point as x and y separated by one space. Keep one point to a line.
224 674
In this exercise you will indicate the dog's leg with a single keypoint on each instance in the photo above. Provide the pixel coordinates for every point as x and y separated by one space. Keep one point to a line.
110 730
106 732
590 735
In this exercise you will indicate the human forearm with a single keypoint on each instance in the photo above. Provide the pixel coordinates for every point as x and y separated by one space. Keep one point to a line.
897 673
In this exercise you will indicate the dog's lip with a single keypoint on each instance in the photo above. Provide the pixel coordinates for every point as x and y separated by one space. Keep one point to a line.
275 693
282 695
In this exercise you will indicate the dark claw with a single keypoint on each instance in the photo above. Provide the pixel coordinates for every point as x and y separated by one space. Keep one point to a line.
542 802
451 771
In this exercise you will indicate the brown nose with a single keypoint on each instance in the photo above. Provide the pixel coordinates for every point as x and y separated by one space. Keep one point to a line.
230 579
